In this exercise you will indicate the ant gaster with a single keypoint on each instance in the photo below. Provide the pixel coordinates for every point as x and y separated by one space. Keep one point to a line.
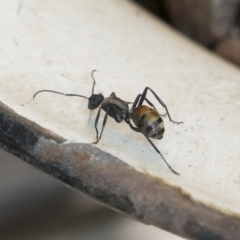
147 120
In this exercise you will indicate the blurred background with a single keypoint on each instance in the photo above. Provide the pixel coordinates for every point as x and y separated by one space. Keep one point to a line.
213 23
35 206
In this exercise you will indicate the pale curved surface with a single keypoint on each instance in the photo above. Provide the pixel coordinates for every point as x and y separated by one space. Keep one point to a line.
56 44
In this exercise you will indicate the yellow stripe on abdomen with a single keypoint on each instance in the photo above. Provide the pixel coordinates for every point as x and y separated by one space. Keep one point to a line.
149 121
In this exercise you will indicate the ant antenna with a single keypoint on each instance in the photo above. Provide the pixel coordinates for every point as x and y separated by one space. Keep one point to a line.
65 94
94 81
94 100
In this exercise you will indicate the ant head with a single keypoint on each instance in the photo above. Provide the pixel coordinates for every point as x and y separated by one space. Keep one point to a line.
94 101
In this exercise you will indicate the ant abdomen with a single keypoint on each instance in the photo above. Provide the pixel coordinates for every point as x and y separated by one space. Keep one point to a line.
149 121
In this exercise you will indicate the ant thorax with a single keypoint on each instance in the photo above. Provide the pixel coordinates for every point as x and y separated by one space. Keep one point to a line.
116 108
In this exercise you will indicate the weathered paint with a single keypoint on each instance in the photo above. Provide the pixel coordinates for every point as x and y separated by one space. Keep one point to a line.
114 183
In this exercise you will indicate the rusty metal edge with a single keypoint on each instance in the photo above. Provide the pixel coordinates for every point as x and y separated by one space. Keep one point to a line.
112 182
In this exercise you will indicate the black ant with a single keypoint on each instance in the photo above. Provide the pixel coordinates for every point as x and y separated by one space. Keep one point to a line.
147 119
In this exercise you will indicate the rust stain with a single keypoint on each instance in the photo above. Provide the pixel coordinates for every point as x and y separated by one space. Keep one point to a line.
50 151
82 156
144 169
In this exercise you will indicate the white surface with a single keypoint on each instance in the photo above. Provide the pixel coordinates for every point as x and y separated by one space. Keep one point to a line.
56 44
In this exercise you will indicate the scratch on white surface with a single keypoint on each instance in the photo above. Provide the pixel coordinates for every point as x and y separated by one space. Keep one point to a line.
20 5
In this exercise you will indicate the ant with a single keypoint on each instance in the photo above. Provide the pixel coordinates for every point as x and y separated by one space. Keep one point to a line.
147 120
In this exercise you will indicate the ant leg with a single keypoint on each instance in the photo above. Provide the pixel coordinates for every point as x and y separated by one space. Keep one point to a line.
161 155
163 115
137 99
104 123
150 103
159 100
96 121
138 130
134 128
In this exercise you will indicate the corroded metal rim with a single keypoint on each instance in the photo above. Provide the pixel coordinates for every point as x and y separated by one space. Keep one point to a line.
112 182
